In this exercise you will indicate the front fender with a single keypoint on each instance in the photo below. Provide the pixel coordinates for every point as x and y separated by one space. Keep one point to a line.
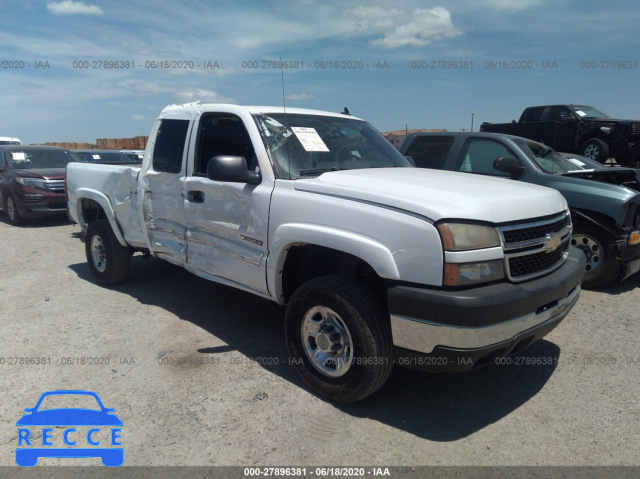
375 254
103 201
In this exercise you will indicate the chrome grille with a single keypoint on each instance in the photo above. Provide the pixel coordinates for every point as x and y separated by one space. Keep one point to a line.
514 236
534 249
635 129
55 185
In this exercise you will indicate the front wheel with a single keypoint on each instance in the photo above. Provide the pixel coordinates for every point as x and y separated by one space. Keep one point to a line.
602 267
108 260
595 149
339 338
11 208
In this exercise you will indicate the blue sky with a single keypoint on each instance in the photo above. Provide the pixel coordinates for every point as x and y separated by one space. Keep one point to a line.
67 103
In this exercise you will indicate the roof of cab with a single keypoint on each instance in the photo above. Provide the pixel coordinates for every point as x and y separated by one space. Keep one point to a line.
190 110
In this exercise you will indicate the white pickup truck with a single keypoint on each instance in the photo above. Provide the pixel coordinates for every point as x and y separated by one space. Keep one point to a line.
377 262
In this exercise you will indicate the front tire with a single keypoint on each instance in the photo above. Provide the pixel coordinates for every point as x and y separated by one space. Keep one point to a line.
108 260
339 338
596 149
11 208
602 267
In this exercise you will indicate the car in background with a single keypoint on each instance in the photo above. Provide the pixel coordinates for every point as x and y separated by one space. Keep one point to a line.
136 155
9 140
106 157
604 201
32 181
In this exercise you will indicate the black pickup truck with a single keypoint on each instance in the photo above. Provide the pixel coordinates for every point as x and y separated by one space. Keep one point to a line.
604 202
580 129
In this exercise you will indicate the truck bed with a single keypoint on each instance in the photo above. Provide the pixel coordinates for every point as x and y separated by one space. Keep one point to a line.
114 187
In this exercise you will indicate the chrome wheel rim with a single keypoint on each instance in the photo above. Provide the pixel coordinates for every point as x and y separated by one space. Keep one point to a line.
591 248
592 152
98 255
326 341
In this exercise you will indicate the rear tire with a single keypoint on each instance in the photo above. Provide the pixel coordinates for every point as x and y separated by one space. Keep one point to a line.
602 267
596 149
108 260
339 338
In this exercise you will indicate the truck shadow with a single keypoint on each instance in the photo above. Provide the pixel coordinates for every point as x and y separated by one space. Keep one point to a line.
437 407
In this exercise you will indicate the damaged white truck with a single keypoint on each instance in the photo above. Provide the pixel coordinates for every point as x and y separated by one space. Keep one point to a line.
377 262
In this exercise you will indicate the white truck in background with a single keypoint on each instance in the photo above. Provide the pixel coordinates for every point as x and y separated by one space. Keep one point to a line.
377 262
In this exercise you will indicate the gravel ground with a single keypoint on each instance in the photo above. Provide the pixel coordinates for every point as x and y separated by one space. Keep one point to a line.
199 375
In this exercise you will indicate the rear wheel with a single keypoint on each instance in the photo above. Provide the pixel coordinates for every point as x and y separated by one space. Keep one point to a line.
595 149
108 260
339 338
602 267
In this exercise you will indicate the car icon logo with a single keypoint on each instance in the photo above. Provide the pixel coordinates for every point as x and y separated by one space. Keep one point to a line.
47 430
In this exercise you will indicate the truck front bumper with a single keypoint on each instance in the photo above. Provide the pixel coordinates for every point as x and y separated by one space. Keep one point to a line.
454 331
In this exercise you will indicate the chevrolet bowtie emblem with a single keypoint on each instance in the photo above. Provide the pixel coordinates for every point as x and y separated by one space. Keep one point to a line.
552 242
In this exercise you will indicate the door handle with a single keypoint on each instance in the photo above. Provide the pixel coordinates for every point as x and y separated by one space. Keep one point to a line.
195 196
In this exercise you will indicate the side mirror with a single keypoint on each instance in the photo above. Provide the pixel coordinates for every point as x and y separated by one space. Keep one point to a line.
231 168
411 160
509 165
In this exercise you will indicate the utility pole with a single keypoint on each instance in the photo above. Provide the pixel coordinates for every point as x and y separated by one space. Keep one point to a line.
472 115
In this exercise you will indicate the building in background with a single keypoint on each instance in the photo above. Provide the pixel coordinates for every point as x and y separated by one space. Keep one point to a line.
135 143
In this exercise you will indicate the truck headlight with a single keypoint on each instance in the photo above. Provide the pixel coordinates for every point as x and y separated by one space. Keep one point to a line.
462 237
31 182
465 237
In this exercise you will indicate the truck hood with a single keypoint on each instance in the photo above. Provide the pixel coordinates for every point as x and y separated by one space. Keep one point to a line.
609 120
628 177
439 195
46 173
587 195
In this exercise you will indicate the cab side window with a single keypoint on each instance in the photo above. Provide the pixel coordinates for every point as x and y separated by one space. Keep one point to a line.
533 115
478 155
430 151
169 148
222 134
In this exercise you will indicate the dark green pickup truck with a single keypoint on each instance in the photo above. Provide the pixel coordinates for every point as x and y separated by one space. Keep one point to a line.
604 202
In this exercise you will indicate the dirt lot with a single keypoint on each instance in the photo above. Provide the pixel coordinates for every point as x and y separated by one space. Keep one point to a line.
198 374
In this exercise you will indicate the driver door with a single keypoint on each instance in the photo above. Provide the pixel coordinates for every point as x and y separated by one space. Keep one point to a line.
226 222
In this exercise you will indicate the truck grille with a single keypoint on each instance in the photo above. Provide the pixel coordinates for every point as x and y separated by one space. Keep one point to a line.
535 249
55 185
635 128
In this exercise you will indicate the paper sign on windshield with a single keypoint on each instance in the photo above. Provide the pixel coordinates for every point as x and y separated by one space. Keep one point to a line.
309 139
18 156
581 113
96 157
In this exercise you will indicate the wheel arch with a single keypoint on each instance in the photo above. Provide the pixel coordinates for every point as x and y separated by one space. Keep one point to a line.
91 205
593 218
301 252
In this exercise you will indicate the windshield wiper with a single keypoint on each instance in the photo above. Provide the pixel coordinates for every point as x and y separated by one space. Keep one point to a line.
317 171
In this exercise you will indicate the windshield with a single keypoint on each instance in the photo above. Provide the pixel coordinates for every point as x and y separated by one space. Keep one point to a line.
545 158
108 157
584 111
34 159
310 145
